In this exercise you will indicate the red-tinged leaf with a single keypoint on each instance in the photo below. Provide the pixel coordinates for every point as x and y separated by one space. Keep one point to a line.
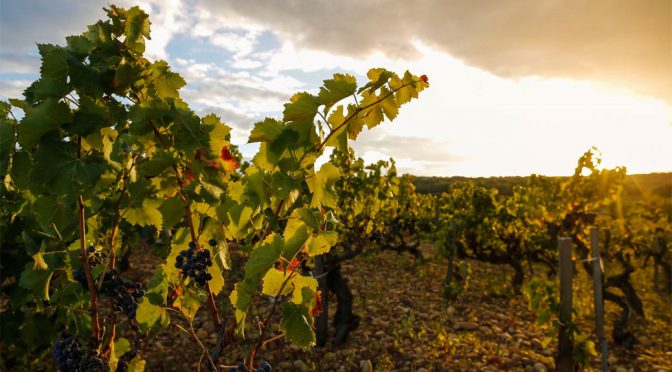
230 163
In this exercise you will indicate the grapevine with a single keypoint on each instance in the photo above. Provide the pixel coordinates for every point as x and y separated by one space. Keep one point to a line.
108 151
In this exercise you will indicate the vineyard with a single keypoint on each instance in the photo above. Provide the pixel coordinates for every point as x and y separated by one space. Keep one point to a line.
135 236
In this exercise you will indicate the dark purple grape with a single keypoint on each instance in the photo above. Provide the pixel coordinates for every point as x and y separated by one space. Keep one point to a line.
194 264
264 367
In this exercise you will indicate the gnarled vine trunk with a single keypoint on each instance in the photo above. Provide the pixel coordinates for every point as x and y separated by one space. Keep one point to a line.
345 320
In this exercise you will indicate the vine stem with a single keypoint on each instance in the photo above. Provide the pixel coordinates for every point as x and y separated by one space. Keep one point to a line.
267 322
113 335
95 322
112 263
205 350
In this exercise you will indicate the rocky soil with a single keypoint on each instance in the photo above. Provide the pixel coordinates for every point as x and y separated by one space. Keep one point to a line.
406 325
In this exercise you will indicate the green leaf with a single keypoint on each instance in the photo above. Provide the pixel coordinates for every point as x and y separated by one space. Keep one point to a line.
121 346
339 138
41 119
58 168
261 260
59 210
408 92
373 115
255 186
356 124
147 215
189 133
219 135
378 77
172 210
296 285
389 104
36 280
137 364
54 72
336 89
302 107
323 188
296 234
137 29
322 243
266 131
166 82
189 302
90 117
6 143
150 316
297 324
79 44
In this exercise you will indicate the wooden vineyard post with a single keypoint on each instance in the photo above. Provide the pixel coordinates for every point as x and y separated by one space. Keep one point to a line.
322 320
597 287
565 362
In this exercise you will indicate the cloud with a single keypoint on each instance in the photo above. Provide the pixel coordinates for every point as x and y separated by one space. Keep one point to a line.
12 88
51 21
18 63
413 154
627 44
253 95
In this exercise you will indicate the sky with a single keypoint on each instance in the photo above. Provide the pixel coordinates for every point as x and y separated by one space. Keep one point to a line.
516 87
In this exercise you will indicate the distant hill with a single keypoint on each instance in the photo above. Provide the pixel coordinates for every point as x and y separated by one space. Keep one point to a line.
636 185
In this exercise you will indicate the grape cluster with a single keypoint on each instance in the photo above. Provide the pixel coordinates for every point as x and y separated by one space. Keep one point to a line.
195 263
125 294
70 357
263 367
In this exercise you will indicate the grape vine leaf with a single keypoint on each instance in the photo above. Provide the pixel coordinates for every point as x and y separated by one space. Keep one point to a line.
266 130
41 119
336 89
322 243
297 324
146 215
36 280
323 186
261 260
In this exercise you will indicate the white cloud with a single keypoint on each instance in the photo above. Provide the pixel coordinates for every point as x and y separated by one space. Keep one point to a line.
622 43
12 88
505 118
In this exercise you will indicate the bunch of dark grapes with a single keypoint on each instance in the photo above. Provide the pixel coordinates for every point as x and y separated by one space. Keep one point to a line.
124 294
70 357
195 264
263 367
